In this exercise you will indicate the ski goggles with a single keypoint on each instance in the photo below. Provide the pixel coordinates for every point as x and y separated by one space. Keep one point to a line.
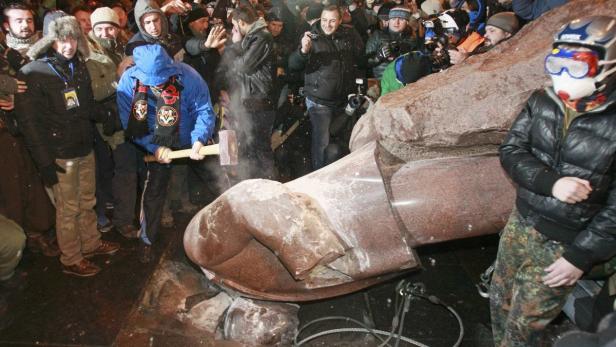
577 64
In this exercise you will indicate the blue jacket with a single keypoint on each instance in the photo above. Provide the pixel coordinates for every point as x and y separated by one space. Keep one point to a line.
532 9
153 66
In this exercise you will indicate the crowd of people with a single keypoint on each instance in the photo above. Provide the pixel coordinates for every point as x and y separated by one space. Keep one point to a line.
104 85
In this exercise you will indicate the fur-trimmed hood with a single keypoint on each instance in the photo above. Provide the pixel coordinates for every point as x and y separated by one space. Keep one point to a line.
60 28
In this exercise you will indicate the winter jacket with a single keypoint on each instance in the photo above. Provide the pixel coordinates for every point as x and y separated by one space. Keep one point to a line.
253 65
205 61
154 67
169 40
50 130
537 152
407 68
102 69
400 43
532 9
472 42
331 66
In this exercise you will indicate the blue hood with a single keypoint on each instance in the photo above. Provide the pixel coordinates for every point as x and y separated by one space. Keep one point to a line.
153 66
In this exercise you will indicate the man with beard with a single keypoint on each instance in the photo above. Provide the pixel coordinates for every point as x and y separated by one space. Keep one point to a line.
386 45
204 46
499 28
116 160
22 196
20 33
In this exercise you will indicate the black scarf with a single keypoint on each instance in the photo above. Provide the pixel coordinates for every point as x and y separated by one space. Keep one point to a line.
166 129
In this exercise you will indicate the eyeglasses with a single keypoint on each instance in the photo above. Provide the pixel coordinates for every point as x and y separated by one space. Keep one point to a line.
577 64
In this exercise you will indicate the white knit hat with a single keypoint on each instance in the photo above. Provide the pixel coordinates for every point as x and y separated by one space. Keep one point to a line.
104 15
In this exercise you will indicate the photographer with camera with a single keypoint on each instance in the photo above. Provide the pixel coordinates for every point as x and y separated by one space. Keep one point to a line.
441 36
386 45
331 56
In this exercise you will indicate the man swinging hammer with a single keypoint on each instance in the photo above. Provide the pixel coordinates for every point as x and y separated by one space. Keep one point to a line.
163 105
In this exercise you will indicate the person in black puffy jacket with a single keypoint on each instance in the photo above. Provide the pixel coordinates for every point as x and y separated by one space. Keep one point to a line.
332 57
560 152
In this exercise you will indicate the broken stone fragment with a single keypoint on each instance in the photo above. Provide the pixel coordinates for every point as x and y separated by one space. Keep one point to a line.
171 284
207 315
261 323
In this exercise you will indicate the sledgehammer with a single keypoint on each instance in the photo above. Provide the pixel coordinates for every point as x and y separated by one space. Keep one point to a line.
226 148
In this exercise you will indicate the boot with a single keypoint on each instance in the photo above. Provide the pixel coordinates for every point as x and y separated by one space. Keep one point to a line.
128 231
39 243
84 268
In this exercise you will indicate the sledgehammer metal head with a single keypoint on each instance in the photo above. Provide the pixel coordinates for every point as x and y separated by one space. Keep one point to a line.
227 143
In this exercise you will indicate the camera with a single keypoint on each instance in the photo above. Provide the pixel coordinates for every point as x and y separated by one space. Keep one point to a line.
356 100
313 36
394 46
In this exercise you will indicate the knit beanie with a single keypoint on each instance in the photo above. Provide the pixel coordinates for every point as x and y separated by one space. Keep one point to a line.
400 12
507 21
104 15
197 12
314 11
383 13
413 67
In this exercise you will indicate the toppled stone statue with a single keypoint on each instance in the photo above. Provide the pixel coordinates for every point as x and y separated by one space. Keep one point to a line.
423 170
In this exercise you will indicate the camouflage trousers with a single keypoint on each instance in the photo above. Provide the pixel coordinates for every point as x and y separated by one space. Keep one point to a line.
520 304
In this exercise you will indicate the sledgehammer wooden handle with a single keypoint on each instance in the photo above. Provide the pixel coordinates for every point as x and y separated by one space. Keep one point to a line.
185 153
226 149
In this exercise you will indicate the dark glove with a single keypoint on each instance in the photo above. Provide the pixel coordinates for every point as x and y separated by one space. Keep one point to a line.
99 114
15 59
385 53
49 174
112 123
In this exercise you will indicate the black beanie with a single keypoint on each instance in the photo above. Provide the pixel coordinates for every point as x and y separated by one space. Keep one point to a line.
196 13
314 11
414 66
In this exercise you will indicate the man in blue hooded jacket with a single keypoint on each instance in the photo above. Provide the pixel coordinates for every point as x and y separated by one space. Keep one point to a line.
163 105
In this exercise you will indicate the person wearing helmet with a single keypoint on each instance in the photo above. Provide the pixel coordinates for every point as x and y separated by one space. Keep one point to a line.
560 153
462 40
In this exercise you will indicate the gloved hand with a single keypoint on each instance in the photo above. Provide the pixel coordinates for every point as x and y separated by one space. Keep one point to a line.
99 114
385 53
49 174
15 59
112 122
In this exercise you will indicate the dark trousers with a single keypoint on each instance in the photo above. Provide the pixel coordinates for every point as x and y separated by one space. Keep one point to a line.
320 119
255 151
104 175
155 193
128 162
22 196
